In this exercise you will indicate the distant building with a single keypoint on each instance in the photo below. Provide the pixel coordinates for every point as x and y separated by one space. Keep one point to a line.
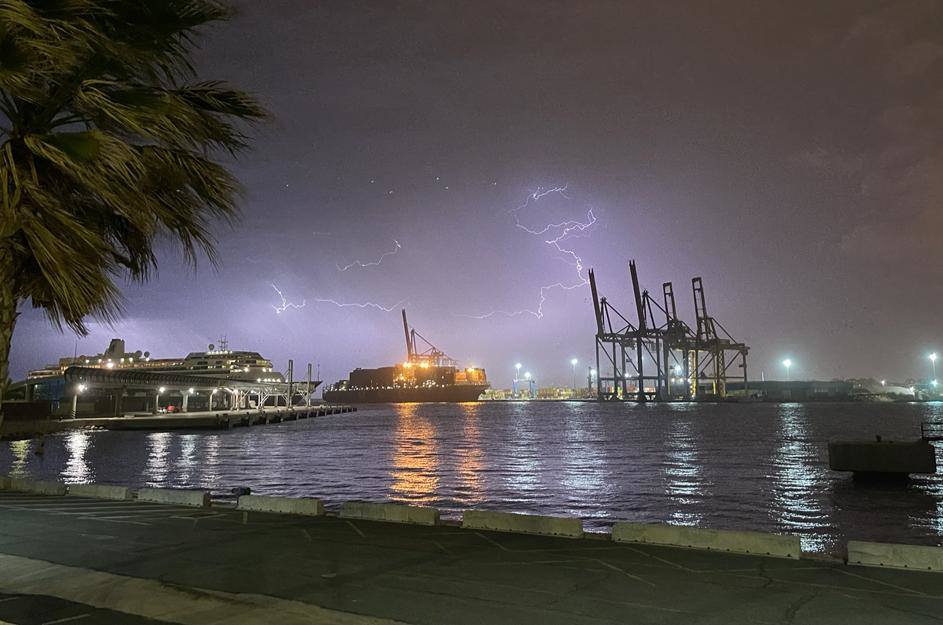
795 390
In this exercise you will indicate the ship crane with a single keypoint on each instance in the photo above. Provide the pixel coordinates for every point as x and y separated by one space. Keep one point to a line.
429 356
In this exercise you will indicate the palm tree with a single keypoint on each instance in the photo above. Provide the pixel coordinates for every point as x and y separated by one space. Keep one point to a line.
108 145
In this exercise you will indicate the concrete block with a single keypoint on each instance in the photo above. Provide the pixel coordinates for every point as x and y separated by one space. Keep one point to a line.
392 512
175 496
282 505
40 488
882 457
752 543
523 523
100 491
890 555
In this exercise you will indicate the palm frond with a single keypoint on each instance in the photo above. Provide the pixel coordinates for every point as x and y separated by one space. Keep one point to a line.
111 146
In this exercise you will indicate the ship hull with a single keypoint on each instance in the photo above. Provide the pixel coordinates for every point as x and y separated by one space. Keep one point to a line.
463 393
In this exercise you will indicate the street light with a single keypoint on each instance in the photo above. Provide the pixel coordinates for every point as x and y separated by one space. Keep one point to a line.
527 375
573 363
787 363
518 374
161 389
933 363
75 400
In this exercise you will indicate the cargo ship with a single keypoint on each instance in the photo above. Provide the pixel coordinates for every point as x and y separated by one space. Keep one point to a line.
427 375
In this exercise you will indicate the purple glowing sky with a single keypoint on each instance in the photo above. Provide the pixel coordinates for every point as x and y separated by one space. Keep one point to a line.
791 154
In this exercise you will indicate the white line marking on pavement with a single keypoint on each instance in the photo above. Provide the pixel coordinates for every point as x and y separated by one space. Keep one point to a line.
75 511
624 572
116 520
356 529
99 536
492 541
67 619
883 583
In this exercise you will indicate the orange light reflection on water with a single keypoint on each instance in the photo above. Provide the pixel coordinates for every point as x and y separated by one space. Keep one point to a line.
470 455
415 456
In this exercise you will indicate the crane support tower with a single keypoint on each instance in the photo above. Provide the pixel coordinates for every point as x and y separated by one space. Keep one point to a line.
653 360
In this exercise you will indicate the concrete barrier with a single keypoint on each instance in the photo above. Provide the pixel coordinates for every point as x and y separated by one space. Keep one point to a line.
890 555
40 488
283 505
522 523
100 491
753 543
175 496
391 512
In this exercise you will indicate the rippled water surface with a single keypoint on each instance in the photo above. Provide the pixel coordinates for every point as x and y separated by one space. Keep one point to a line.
737 466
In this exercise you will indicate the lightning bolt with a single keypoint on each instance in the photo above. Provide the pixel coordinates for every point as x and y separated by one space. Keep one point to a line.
396 247
564 230
285 305
361 305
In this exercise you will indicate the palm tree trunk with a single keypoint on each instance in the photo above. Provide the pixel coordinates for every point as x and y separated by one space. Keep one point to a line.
7 320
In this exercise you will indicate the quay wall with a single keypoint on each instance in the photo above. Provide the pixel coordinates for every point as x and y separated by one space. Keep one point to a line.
860 553
283 505
896 556
523 523
390 512
176 496
751 543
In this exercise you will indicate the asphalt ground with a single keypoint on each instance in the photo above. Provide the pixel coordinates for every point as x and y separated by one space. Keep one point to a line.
72 559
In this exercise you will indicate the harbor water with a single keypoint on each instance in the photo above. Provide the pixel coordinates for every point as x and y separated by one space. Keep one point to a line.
736 466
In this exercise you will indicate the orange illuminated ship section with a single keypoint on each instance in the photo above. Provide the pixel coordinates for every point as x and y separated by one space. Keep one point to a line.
427 375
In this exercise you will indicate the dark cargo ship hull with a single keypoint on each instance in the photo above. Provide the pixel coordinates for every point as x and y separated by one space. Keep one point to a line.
458 393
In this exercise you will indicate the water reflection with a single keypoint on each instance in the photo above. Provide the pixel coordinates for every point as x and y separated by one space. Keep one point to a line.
685 484
187 462
415 456
209 463
20 450
934 483
797 480
76 469
585 474
157 467
470 455
523 462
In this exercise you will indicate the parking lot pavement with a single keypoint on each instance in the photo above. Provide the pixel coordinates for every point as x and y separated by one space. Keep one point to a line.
201 565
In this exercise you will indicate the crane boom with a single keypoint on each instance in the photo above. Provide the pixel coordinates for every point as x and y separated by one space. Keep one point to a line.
409 343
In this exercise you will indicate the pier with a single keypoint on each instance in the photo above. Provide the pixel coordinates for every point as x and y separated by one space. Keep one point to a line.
216 420
124 399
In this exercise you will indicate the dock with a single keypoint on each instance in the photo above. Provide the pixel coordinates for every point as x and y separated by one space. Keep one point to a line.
205 420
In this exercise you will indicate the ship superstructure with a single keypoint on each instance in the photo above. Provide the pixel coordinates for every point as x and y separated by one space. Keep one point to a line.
217 361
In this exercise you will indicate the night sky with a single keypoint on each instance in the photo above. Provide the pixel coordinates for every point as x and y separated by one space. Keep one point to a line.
791 154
